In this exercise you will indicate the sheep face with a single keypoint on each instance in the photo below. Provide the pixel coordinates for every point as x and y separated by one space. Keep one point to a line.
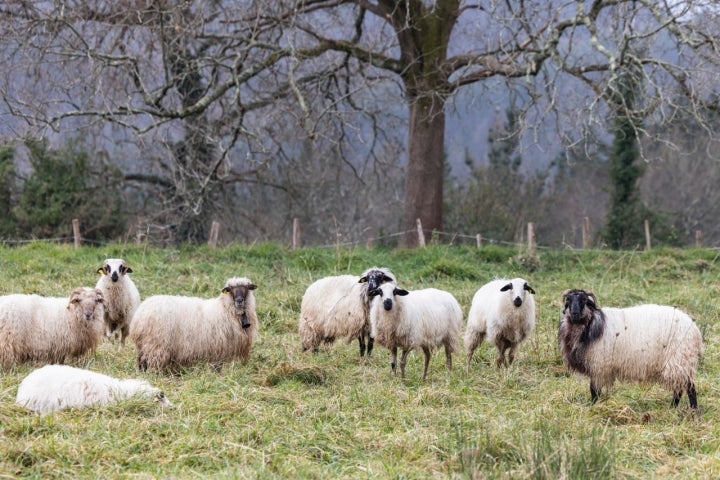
239 293
387 292
518 291
86 300
114 268
376 277
579 306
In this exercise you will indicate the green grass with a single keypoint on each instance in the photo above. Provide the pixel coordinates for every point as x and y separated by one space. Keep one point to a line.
286 414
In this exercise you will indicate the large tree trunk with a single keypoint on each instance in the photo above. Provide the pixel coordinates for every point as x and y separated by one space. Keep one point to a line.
426 166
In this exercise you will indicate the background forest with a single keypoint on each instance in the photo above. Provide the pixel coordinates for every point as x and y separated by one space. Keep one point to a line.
150 121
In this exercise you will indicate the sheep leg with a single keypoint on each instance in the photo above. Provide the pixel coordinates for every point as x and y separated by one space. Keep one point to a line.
676 398
403 362
426 351
448 357
361 341
692 395
511 354
472 340
594 392
393 363
500 361
370 343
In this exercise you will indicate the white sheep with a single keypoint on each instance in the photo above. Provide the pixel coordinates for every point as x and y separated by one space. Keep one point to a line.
121 297
503 311
646 343
423 319
57 387
41 329
338 306
172 331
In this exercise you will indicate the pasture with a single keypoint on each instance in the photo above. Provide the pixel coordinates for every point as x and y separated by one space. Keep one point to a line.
289 414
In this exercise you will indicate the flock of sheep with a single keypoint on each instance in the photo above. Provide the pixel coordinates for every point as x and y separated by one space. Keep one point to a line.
646 343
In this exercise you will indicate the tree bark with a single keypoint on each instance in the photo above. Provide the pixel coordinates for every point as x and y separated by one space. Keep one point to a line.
426 166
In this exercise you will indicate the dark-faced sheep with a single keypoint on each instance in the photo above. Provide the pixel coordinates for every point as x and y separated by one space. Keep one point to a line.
646 343
422 319
172 331
338 307
121 297
41 329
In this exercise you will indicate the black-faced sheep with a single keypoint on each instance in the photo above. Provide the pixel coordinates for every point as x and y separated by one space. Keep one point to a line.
646 343
423 319
174 331
121 297
339 306
41 329
504 311
57 387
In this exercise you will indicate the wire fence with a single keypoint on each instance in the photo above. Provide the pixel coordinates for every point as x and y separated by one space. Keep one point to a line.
436 236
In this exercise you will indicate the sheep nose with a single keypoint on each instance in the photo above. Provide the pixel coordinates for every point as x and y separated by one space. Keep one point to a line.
114 276
517 301
387 304
239 302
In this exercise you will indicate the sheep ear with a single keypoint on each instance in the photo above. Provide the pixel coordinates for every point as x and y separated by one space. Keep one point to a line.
99 296
252 286
400 291
100 271
374 293
225 290
506 287
529 288
363 279
129 270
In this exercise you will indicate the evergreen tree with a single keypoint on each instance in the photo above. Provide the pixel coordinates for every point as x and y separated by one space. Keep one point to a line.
7 190
63 185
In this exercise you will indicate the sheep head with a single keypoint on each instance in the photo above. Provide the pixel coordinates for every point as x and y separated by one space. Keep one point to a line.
376 276
518 287
239 289
86 300
387 292
115 268
579 306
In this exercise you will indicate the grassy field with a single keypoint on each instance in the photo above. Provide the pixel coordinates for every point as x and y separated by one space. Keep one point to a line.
286 414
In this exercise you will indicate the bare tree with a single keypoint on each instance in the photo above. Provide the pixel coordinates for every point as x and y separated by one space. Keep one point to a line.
205 74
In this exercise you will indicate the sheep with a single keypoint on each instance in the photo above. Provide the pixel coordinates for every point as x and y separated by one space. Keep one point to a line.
503 311
422 319
57 387
175 331
339 306
41 329
645 343
121 297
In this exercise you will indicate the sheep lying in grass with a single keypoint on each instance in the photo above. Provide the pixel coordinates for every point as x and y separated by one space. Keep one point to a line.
49 330
57 387
504 310
173 331
338 306
121 297
422 319
645 343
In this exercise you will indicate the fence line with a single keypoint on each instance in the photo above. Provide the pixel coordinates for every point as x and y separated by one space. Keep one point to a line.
479 240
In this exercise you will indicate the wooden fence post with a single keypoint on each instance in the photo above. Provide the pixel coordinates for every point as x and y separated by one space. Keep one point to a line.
296 233
698 238
647 234
76 232
214 232
478 240
531 237
421 235
586 233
